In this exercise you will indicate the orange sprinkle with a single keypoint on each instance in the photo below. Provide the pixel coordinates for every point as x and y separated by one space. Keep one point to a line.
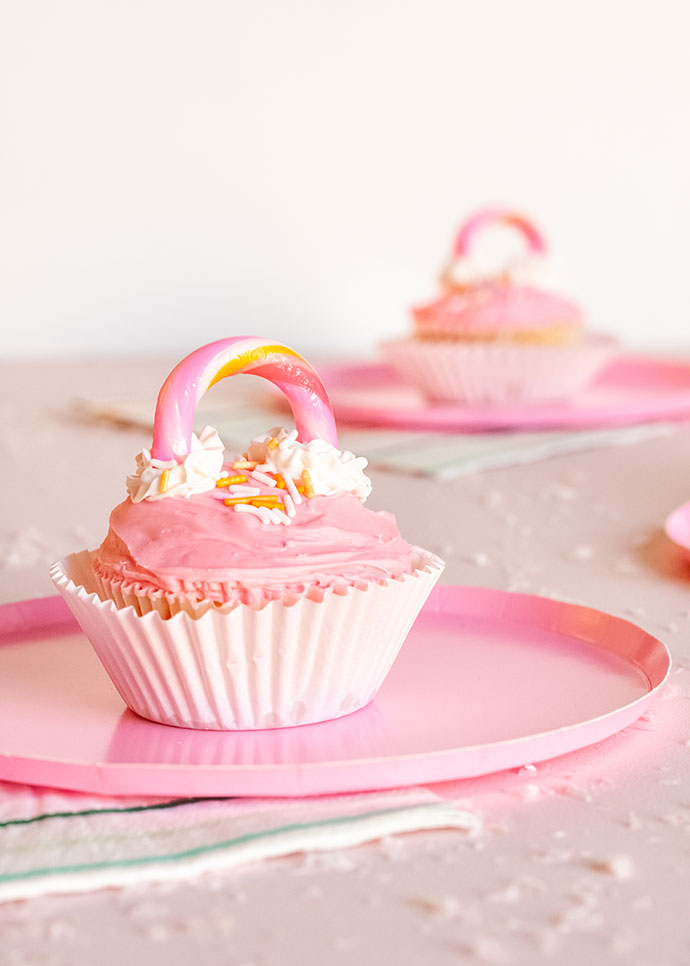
272 443
255 500
308 485
300 489
165 481
231 480
244 465
280 482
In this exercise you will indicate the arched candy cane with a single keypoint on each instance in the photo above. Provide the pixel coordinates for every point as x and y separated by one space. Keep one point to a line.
497 216
189 380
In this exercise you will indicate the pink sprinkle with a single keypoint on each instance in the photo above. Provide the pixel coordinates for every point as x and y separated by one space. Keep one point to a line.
289 504
263 478
256 511
292 489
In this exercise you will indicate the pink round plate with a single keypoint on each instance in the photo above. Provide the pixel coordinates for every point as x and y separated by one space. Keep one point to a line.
631 389
677 526
486 680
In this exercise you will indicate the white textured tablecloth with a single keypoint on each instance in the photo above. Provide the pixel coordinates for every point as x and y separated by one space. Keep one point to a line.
585 859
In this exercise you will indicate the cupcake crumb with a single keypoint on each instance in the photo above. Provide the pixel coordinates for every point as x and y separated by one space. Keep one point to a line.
480 559
619 866
580 553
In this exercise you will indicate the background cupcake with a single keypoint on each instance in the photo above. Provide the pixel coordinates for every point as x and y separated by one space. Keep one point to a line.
499 331
253 592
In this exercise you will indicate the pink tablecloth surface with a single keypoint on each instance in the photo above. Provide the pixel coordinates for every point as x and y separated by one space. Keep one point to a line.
585 859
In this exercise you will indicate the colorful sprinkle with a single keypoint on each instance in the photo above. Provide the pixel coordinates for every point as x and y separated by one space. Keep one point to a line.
292 490
258 511
280 482
165 481
244 465
272 443
231 480
308 485
289 505
256 500
263 478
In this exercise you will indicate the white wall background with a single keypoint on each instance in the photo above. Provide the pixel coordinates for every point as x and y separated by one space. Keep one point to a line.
177 171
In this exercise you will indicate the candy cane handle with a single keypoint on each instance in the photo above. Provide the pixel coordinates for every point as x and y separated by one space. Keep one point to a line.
189 380
497 216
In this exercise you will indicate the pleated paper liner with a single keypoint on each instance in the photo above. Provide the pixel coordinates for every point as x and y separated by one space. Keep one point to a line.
497 372
248 668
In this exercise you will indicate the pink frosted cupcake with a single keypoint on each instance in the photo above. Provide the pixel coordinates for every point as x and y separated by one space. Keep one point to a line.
498 333
250 592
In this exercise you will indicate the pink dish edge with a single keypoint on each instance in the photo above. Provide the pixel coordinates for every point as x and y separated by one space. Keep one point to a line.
365 774
343 378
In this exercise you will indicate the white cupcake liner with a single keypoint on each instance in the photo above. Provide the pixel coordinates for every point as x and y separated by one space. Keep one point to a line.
249 668
481 373
144 599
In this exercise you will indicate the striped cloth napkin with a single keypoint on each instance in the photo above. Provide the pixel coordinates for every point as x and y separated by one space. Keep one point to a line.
55 842
440 456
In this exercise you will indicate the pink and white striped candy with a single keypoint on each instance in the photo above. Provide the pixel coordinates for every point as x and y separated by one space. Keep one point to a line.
488 217
189 380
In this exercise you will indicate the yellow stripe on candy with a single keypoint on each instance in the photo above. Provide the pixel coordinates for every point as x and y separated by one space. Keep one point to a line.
197 372
245 359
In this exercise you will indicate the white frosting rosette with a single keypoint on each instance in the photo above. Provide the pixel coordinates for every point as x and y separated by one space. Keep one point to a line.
331 470
198 472
533 270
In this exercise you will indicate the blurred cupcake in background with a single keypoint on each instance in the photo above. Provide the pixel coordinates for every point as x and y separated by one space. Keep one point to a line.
500 331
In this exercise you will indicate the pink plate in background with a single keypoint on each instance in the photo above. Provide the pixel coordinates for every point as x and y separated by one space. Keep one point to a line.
486 680
631 389
677 527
